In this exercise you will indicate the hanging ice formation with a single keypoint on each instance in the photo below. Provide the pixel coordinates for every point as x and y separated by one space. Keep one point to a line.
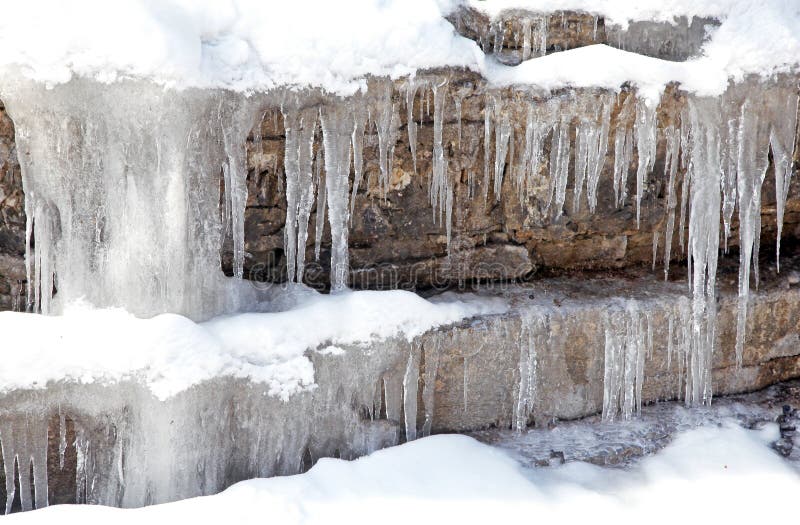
97 174
122 191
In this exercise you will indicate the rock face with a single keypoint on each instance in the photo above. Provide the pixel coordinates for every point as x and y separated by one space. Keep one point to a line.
12 220
568 348
398 241
593 329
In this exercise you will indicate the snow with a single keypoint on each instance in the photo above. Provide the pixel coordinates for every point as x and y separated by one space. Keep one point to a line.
170 353
615 11
249 45
236 44
711 473
756 37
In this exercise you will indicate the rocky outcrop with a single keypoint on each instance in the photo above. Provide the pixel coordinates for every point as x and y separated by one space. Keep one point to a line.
567 349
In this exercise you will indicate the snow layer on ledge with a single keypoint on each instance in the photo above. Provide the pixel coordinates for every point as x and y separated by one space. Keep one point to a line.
755 37
249 45
601 66
169 353
455 479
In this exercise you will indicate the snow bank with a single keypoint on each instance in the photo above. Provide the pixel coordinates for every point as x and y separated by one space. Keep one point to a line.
709 474
251 45
169 353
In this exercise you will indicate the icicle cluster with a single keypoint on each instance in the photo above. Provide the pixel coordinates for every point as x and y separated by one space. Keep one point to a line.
122 193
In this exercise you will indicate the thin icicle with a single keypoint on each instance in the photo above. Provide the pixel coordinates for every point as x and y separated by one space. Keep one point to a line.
359 123
672 139
686 149
503 134
488 115
753 160
623 151
782 140
646 148
411 93
439 182
322 199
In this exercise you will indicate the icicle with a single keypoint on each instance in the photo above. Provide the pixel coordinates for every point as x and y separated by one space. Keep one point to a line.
449 217
411 93
503 133
626 342
540 36
439 182
499 34
300 128
359 122
655 249
25 443
703 243
532 325
523 174
322 200
672 139
559 165
597 159
623 151
488 115
686 149
387 135
535 133
431 354
591 145
753 160
526 38
410 391
234 135
336 131
62 438
782 140
729 163
645 147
